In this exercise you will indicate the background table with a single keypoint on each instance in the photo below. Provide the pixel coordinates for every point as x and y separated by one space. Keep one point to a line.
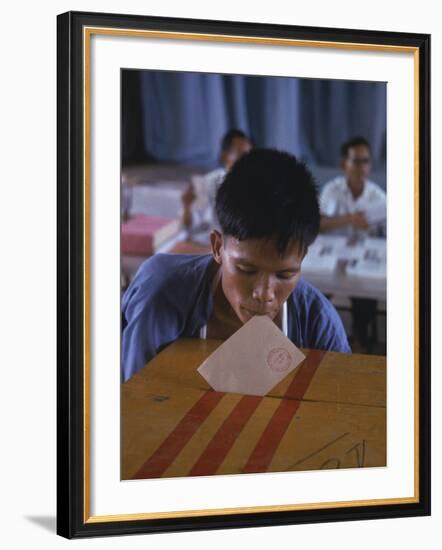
340 285
329 413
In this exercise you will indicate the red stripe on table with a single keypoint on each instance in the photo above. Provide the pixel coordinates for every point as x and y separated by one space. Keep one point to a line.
305 374
223 440
166 453
225 437
266 447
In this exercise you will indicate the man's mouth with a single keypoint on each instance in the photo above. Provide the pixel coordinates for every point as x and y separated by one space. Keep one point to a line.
253 312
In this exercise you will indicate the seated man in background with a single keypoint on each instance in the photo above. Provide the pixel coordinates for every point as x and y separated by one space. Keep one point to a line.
352 204
199 197
268 211
355 206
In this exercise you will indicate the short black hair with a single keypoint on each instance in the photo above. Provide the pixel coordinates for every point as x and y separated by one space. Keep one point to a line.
269 194
353 142
229 136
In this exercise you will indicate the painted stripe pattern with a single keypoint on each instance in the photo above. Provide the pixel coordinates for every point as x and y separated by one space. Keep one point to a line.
172 445
266 447
222 441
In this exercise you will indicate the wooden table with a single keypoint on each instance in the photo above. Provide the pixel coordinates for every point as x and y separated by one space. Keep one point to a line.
328 413
340 284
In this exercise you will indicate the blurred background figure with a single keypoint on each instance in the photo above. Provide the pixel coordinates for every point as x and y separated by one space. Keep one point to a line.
198 214
126 196
181 132
352 204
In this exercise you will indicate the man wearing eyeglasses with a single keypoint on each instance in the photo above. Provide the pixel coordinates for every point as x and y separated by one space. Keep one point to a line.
351 204
354 206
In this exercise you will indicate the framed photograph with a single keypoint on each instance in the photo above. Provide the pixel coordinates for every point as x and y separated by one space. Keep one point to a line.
243 276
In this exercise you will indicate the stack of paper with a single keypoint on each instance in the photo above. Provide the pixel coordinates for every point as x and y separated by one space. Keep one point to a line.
323 254
142 235
371 263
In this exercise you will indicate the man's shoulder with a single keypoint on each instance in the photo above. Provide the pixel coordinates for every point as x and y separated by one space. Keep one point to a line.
219 170
313 303
176 274
309 294
215 176
323 328
172 265
374 188
334 185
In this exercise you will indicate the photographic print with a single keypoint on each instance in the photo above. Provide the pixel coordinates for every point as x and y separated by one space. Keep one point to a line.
254 274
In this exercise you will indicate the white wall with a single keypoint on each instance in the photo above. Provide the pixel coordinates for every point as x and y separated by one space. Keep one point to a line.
27 405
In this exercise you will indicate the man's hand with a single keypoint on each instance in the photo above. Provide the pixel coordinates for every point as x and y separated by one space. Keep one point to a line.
187 198
358 219
188 195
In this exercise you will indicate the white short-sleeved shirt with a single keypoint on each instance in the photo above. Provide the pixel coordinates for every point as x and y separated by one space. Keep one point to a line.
336 199
203 209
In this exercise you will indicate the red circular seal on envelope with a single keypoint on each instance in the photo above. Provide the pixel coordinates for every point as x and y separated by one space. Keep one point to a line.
279 359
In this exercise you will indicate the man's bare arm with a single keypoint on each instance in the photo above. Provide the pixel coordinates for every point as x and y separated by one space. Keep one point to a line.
357 219
187 198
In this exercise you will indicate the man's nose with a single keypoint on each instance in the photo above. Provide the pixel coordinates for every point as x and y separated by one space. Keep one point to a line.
263 290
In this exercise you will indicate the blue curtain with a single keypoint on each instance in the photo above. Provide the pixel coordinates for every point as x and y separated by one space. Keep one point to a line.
184 115
335 110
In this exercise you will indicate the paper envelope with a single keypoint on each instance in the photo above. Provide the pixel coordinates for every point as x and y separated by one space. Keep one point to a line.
253 360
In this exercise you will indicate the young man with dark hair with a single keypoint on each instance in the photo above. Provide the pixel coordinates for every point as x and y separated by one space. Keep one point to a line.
353 142
268 211
234 145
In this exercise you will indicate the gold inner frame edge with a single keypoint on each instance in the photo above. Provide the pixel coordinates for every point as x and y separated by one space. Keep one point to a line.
87 33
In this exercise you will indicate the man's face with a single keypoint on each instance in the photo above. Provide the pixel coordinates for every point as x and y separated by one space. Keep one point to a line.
239 147
357 164
255 279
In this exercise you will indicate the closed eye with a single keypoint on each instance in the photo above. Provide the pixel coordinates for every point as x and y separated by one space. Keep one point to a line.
287 275
282 276
245 270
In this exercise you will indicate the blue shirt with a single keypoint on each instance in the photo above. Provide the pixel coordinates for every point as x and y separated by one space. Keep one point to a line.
170 297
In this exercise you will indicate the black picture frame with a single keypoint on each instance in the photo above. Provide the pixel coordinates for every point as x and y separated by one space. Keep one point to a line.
72 516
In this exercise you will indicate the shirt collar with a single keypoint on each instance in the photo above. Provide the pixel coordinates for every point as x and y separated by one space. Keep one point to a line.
350 194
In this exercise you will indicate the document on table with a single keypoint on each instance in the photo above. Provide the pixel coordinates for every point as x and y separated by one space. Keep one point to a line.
253 360
323 254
